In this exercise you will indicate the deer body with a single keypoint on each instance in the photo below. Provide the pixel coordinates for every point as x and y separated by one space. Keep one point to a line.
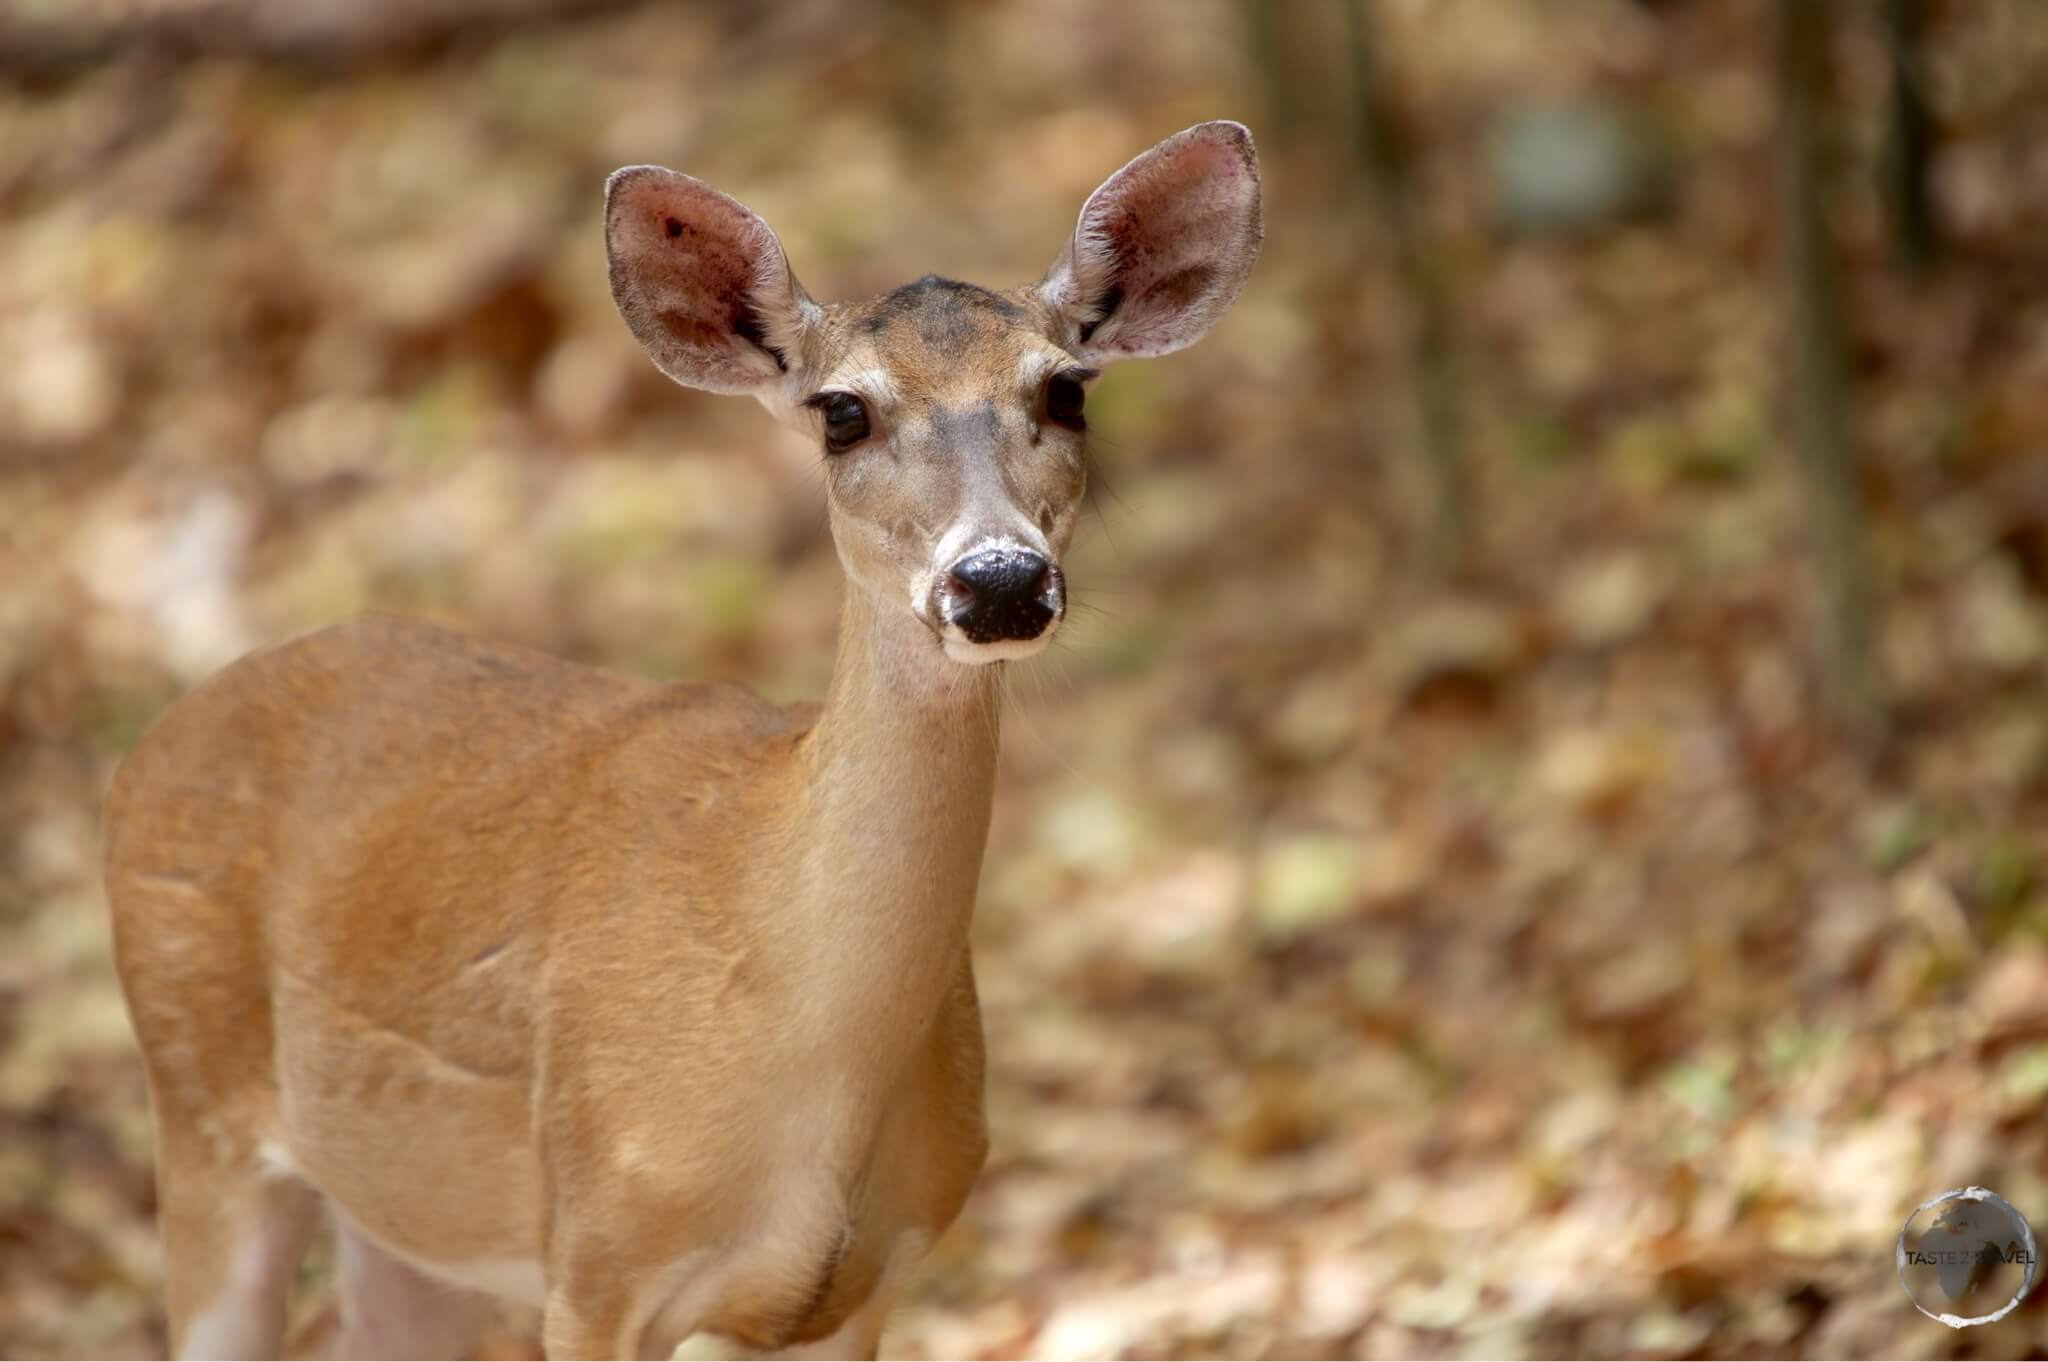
649 1004
763 918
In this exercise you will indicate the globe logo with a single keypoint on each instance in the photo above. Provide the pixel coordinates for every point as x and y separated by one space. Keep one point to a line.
1966 1257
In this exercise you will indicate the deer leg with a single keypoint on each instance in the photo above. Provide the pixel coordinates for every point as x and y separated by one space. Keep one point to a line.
859 1337
599 1306
233 1233
391 1309
589 1325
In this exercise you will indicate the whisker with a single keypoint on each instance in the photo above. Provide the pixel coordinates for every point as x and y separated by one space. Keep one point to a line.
1030 725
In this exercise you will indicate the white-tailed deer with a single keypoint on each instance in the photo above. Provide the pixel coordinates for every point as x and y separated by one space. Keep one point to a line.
648 1004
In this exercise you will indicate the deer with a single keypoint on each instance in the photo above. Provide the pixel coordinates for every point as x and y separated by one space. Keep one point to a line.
648 1005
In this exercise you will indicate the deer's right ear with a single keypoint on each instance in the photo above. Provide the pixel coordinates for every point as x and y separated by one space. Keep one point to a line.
701 281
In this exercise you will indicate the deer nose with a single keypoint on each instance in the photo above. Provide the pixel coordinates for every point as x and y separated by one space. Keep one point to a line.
1002 594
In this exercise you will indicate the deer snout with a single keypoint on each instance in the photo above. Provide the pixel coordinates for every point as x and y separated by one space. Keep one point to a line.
1002 595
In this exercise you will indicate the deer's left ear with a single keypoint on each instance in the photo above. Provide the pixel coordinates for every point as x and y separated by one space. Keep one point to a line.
1162 248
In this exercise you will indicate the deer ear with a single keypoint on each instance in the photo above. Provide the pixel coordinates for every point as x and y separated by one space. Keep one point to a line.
701 281
1162 248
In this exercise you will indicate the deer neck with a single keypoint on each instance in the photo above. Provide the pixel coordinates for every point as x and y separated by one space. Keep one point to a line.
900 772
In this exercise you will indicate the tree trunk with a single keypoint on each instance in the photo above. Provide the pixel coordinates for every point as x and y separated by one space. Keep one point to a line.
1818 368
1267 36
1909 142
1431 361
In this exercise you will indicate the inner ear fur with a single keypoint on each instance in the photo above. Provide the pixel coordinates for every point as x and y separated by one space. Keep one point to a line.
1162 248
701 281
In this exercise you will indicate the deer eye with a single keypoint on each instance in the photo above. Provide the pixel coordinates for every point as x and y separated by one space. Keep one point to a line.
1064 400
846 421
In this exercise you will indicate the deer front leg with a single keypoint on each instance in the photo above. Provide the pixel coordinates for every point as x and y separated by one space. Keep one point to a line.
595 1322
859 1338
233 1233
602 1302
595 1304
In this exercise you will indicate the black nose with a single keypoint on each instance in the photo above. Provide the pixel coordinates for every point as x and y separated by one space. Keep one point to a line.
1002 594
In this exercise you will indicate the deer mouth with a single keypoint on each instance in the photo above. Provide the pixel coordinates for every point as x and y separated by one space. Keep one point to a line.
1000 650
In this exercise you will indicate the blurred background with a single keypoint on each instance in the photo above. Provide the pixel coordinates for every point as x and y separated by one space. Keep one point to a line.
1533 842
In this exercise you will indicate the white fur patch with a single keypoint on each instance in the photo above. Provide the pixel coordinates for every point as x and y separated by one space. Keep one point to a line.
1002 650
220 1331
520 1280
869 385
512 1279
277 1161
235 1324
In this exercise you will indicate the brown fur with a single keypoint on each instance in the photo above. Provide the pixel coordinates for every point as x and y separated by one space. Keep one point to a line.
443 878
654 1001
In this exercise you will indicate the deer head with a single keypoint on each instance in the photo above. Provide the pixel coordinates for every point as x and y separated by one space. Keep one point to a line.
951 416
